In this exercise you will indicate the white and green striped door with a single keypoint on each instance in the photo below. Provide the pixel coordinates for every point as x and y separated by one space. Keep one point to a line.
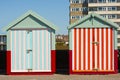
30 51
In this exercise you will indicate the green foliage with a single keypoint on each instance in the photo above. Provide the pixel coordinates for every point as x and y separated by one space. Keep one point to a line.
61 46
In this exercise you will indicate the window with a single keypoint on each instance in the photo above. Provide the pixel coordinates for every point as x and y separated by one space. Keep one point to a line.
118 39
112 16
4 47
109 8
84 1
79 1
1 47
104 8
72 17
82 16
91 1
0 39
112 9
79 9
112 1
84 9
92 9
119 32
103 15
101 1
77 17
75 9
101 8
109 16
75 1
4 39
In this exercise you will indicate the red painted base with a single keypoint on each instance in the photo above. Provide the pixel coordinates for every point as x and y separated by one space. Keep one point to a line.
104 72
93 73
53 61
8 63
53 67
31 73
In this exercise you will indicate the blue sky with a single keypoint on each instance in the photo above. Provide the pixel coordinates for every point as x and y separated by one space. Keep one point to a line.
55 11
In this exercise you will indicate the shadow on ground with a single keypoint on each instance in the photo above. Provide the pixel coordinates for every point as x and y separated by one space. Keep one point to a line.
2 62
62 62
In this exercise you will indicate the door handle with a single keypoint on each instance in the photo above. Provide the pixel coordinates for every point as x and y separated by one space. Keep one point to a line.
29 50
95 42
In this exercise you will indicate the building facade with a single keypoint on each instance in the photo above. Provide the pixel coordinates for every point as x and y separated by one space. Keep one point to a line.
3 42
109 9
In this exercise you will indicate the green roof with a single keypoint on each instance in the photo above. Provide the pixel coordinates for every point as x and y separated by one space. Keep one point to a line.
31 13
92 16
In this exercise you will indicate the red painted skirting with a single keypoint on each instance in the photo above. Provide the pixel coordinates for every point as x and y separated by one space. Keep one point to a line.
116 61
53 61
94 73
30 73
70 61
8 63
113 72
53 67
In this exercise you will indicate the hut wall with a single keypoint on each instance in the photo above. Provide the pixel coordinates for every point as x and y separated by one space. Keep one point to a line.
92 49
30 50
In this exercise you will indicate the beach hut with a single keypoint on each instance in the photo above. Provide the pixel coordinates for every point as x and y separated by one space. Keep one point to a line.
30 45
93 46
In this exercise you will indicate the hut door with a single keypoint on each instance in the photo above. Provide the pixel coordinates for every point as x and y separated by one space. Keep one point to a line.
41 51
29 51
92 49
21 50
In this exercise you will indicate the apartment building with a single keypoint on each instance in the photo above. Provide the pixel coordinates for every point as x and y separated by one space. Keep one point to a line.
2 42
109 9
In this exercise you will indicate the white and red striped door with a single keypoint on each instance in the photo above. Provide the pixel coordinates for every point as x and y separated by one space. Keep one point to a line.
92 49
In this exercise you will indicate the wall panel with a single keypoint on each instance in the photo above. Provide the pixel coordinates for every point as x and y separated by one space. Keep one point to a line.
92 49
38 58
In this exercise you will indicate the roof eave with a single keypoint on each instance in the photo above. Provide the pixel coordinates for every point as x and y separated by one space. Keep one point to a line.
78 22
93 15
30 12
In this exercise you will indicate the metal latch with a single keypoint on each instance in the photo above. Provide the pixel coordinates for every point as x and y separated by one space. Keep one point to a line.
29 70
96 69
95 42
28 51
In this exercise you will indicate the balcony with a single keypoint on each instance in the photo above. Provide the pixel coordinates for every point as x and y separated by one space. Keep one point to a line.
118 44
2 43
103 4
115 20
105 12
118 36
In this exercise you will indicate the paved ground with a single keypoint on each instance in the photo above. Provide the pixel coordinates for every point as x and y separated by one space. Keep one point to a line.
61 77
